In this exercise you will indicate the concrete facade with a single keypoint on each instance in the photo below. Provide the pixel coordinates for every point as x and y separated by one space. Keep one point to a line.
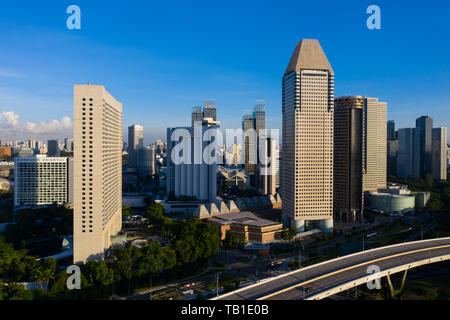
307 135
98 171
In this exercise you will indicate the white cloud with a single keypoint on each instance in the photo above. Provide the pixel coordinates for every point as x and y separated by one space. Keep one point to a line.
10 119
11 128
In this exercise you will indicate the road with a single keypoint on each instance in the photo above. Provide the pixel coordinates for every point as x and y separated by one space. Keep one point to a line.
309 281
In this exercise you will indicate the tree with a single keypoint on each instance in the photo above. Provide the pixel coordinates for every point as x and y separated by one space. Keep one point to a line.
232 241
289 234
126 211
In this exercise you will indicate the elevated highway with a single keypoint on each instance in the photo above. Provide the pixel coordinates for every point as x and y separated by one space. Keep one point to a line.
333 276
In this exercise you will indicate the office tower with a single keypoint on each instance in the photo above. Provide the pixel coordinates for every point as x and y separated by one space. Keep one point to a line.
407 155
439 157
194 177
53 148
257 122
392 150
209 109
425 125
135 141
98 171
32 144
250 145
267 167
42 180
197 114
307 154
348 200
68 145
278 180
391 130
375 153
146 167
233 155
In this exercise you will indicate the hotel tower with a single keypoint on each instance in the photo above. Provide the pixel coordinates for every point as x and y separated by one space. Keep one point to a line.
97 171
307 153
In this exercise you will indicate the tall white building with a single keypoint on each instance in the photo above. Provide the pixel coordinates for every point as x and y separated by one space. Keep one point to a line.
439 156
98 171
375 147
194 177
41 180
307 153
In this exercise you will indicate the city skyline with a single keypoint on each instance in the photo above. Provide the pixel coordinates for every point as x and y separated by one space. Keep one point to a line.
164 85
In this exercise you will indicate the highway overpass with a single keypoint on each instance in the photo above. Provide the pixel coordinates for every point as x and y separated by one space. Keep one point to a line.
333 276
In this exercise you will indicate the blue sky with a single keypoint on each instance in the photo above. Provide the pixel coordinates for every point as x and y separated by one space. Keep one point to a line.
159 58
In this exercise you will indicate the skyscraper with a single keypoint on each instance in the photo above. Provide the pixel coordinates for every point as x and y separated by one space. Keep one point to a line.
348 157
194 176
375 155
391 130
197 114
53 148
135 141
98 171
408 155
307 153
257 122
439 156
425 125
146 167
209 109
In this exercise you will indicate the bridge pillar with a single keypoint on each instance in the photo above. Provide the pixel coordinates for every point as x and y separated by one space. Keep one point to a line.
395 292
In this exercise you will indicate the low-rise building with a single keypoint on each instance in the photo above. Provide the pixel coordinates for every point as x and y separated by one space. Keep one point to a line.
247 226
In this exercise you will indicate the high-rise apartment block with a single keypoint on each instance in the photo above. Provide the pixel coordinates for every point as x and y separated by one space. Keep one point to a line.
98 171
41 180
307 154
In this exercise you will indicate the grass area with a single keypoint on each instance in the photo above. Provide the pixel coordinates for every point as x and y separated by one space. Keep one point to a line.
431 289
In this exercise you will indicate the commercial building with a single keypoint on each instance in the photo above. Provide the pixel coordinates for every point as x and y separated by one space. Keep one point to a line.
307 135
135 141
247 226
392 151
146 165
348 157
375 154
252 126
267 167
42 180
391 130
424 124
439 156
53 148
405 154
193 176
98 171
